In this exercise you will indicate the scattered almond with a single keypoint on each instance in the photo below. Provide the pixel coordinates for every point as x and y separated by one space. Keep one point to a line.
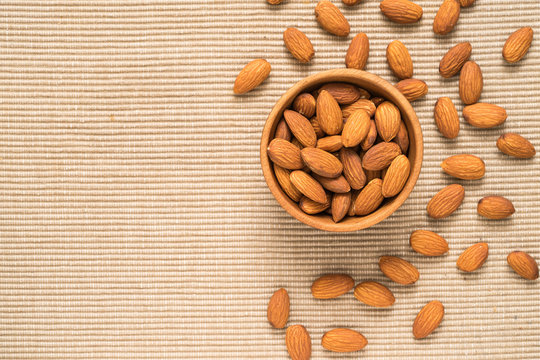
387 120
345 94
298 342
321 162
308 186
446 118
446 201
399 60
453 60
517 44
396 176
358 52
305 104
516 145
251 76
330 143
298 45
312 207
428 243
412 89
399 270
370 137
369 199
329 113
466 3
343 340
285 154
473 258
331 19
278 309
447 17
523 264
283 178
362 104
356 128
428 319
402 138
465 166
283 131
351 2
470 83
374 294
340 206
331 286
352 168
495 207
380 156
484 115
401 11
300 127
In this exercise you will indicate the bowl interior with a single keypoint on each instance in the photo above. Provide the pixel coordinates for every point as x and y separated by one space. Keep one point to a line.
377 87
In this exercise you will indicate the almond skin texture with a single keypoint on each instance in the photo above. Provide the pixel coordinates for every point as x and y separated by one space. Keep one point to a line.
340 206
371 136
298 342
315 124
352 168
428 243
465 166
358 52
337 185
495 207
369 199
362 104
466 3
330 143
285 154
321 162
331 286
305 104
398 270
484 115
428 319
471 83
396 176
308 186
401 11
446 201
517 44
298 45
331 19
516 145
284 180
447 17
300 127
402 138
356 128
387 119
473 258
251 76
278 309
380 156
345 94
343 340
453 60
374 294
412 89
329 114
523 264
312 207
399 60
283 131
446 118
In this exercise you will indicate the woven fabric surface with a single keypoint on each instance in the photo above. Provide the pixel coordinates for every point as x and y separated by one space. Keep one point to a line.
135 220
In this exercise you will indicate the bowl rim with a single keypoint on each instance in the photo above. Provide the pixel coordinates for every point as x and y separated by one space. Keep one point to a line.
370 82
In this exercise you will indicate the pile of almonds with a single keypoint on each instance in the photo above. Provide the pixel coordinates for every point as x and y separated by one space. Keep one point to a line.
329 153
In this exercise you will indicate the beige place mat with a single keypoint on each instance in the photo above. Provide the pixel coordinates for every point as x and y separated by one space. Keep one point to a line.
135 220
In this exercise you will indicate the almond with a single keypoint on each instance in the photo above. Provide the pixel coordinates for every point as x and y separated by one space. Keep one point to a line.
377 100
370 137
297 143
315 124
401 11
356 128
274 2
470 83
351 2
340 205
331 19
329 114
358 52
354 195
516 145
362 104
523 264
374 294
446 201
466 3
387 119
330 143
495 207
484 115
473 258
283 178
517 44
312 207
300 127
308 186
380 156
321 162
446 118
398 270
278 309
285 154
465 166
298 342
338 185
412 89
343 340
399 60
283 131
298 45
396 176
447 17
305 104
369 199
331 286
428 319
428 243
453 61
372 174
402 138
345 94
352 168
251 76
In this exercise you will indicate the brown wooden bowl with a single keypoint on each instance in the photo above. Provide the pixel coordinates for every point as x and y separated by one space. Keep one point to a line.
376 86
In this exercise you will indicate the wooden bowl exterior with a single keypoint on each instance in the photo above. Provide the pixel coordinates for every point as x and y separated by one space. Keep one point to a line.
376 86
